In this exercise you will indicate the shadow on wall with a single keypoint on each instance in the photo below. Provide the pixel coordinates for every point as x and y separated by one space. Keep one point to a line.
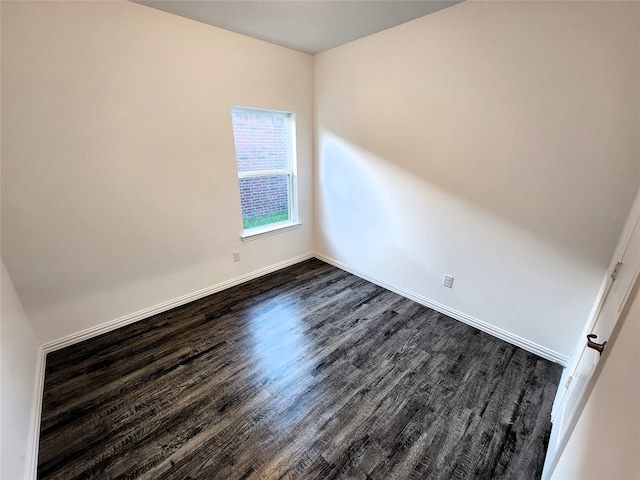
392 224
373 205
566 193
526 109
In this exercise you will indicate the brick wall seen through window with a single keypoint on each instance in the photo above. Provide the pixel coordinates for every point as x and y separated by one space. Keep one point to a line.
265 166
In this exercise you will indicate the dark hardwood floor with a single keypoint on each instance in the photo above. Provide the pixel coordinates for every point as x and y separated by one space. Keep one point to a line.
309 372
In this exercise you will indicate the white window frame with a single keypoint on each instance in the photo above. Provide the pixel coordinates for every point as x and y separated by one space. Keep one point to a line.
273 228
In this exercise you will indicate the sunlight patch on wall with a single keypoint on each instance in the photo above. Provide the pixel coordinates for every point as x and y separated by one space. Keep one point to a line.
392 224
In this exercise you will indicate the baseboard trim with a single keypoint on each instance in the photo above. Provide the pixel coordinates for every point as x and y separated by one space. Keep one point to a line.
176 302
163 307
31 463
509 337
31 469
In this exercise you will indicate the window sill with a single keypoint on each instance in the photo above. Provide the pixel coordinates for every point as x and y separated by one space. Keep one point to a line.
256 233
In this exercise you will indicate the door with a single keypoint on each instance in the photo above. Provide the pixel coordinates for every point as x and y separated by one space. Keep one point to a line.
621 278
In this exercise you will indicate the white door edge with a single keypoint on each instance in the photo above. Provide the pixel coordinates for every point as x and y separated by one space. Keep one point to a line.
563 424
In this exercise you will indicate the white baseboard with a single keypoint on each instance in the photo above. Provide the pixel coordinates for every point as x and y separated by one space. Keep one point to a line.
509 337
31 460
163 307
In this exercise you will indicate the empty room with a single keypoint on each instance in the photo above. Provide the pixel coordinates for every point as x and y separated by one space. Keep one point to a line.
320 239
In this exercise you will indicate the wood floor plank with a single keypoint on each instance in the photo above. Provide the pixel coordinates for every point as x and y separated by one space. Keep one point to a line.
309 372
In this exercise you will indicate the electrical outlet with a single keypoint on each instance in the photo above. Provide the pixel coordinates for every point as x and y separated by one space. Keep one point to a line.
447 281
236 256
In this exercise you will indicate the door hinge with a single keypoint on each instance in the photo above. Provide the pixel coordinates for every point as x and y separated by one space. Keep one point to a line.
566 385
616 269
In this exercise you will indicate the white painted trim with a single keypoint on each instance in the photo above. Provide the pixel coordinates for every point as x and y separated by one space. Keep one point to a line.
558 440
623 244
33 443
163 307
254 234
32 465
509 337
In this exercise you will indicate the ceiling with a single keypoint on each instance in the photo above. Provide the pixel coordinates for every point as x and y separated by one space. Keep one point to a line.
309 26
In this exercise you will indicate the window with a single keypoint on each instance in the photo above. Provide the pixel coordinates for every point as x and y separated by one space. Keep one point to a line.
265 157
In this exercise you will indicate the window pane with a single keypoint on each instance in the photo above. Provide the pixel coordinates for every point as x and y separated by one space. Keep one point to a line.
264 200
261 141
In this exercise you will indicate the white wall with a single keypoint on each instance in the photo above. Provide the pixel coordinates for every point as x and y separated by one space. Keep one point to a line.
493 141
19 360
119 188
605 442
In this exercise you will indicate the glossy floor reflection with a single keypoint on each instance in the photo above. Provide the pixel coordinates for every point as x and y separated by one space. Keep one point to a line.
309 372
282 353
